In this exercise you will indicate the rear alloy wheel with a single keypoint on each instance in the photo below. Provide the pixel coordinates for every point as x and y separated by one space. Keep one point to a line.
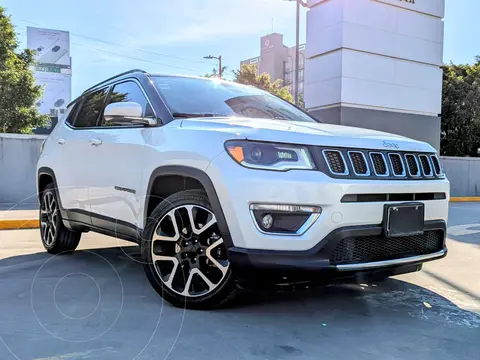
48 218
56 238
186 258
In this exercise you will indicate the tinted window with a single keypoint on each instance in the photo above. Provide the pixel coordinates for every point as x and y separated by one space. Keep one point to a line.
186 97
91 108
128 92
72 112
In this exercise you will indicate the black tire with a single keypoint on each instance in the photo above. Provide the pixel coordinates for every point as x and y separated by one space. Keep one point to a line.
226 290
64 240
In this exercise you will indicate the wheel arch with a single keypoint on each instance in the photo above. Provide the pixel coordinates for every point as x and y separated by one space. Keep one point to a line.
45 176
204 180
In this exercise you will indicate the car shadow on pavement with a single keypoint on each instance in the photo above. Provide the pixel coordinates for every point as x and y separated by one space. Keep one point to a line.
473 238
370 317
390 295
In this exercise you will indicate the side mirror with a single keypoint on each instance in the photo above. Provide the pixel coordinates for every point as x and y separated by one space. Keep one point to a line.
127 112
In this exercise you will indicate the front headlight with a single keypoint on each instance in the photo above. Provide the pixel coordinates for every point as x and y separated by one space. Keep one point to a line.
270 156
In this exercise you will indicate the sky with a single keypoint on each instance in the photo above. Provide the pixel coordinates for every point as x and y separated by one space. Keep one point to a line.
112 36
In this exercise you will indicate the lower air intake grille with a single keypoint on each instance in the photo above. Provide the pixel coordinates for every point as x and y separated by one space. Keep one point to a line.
364 249
335 162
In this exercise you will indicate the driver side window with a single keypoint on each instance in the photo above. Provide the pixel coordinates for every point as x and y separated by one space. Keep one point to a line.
128 91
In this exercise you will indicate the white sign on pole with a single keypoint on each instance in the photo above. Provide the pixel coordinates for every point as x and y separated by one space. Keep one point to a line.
53 68
56 93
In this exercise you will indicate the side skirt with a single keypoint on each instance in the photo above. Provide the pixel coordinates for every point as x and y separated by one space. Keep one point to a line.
80 220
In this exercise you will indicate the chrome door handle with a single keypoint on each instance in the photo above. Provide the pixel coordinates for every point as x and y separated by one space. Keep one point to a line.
95 142
60 141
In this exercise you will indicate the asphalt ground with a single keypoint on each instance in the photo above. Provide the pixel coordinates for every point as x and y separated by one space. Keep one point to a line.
97 304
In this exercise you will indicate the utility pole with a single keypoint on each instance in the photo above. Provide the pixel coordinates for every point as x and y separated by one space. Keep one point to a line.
219 58
297 52
220 69
297 46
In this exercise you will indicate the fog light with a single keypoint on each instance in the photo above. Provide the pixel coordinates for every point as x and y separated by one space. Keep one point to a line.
283 219
267 221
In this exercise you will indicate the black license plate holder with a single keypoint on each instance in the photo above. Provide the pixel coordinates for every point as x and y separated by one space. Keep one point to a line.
404 219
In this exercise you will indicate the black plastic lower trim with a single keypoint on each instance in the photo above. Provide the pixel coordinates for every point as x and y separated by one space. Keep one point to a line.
82 220
203 178
247 262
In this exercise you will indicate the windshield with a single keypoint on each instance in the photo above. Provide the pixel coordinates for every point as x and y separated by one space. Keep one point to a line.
190 97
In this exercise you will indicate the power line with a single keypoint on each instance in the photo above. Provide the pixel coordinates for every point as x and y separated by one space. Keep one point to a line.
134 58
122 46
229 72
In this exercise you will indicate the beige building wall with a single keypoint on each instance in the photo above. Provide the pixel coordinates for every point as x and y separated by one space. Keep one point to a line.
278 60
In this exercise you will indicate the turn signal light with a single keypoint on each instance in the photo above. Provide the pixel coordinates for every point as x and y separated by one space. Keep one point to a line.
236 152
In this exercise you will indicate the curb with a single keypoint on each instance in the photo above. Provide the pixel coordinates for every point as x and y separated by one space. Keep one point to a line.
18 224
465 199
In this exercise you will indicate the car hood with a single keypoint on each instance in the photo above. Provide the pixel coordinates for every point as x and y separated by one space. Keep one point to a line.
299 132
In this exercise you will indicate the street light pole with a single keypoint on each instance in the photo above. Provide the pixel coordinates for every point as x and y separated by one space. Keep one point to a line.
297 46
220 69
297 52
219 58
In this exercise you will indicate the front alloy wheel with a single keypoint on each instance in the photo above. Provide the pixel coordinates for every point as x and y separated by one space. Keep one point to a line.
187 258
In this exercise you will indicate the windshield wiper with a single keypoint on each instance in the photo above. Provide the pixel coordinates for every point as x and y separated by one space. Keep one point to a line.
194 115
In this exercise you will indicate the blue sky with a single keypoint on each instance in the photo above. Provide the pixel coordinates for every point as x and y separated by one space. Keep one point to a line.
175 35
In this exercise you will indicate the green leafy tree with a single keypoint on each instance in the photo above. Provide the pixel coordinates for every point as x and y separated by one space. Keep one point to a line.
460 135
214 72
18 92
248 75
301 100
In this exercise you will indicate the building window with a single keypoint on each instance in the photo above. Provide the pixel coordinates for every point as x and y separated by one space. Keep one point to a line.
300 75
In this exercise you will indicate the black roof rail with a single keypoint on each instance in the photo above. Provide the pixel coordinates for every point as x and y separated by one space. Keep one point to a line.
114 77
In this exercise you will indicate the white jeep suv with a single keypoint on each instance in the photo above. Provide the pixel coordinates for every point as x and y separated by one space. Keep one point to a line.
223 185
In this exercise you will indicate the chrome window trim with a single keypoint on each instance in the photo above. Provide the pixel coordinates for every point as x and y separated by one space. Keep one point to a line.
119 82
364 159
384 161
346 172
404 173
418 165
429 162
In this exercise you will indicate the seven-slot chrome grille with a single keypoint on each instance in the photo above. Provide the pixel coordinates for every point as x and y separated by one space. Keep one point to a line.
377 164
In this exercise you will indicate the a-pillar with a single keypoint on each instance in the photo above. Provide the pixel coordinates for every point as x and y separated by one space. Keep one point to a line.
376 64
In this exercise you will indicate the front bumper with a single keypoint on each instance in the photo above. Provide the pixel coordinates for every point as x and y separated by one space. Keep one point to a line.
238 187
250 263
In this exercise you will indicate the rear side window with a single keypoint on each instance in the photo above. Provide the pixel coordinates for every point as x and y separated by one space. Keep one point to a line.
91 108
128 91
71 112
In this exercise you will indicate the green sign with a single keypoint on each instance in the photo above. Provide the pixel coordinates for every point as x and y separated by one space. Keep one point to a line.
52 69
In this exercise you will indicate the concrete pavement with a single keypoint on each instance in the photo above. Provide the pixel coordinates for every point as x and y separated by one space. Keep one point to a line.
97 304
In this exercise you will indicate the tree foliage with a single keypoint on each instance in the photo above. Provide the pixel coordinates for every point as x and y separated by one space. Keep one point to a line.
460 135
248 75
301 100
214 72
18 92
